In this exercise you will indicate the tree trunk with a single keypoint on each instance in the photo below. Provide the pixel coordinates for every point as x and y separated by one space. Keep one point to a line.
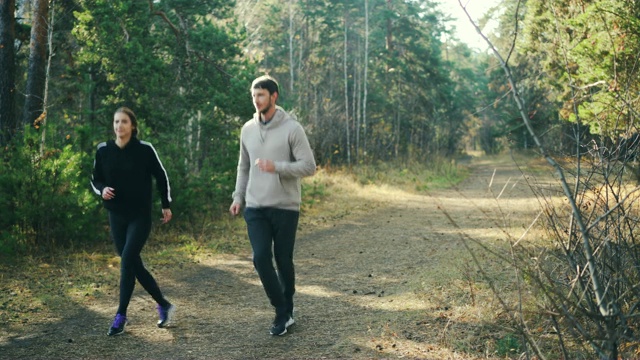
397 132
34 101
364 80
346 92
358 108
47 75
291 65
7 70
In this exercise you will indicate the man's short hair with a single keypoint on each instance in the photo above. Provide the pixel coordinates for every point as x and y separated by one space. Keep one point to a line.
266 82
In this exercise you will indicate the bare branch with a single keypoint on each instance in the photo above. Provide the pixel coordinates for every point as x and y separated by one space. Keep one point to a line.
606 308
588 86
162 14
614 208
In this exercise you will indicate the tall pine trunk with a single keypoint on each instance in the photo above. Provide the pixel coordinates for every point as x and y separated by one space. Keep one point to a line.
7 70
34 101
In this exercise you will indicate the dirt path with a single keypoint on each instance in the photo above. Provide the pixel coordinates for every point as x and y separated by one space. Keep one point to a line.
392 282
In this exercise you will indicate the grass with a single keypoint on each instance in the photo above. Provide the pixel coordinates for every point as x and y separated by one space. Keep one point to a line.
413 176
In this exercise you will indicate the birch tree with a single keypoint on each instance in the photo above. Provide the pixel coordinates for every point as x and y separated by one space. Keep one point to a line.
346 87
365 78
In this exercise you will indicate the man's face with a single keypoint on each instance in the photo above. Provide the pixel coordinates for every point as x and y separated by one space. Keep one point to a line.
262 101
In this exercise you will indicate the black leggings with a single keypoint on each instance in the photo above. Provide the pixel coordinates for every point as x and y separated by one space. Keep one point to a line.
129 236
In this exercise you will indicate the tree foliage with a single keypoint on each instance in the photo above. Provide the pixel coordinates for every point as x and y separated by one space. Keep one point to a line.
178 65
586 55
412 107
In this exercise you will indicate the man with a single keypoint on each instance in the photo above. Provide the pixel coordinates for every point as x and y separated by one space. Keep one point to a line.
274 156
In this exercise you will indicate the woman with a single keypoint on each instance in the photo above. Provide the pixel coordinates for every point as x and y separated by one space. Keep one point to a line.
122 174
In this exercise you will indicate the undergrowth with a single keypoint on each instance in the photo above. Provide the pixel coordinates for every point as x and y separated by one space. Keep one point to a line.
412 176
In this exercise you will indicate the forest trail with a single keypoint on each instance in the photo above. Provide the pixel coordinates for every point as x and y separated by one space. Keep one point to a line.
391 282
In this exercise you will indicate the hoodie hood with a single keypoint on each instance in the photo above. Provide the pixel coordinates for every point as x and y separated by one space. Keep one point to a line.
277 119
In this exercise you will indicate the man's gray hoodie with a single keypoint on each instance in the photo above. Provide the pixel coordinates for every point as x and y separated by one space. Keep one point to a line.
283 141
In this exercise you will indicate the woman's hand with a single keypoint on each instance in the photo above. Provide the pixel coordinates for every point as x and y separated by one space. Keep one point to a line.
108 193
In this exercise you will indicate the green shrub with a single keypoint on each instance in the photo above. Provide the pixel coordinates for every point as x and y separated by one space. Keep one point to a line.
508 345
312 192
45 197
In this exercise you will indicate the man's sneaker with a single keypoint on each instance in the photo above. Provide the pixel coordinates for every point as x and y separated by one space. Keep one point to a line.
166 314
280 325
118 325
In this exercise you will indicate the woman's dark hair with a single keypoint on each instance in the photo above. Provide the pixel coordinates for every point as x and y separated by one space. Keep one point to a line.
266 82
132 117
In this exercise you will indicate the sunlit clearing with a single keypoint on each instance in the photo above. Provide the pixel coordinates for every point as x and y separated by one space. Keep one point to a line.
343 182
317 291
405 302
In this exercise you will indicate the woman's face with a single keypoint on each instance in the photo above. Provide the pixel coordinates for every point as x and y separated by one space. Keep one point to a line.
122 126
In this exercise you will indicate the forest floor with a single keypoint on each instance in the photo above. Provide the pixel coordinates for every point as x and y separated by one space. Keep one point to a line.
382 272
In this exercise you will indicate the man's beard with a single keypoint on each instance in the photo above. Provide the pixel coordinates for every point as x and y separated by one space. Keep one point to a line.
265 110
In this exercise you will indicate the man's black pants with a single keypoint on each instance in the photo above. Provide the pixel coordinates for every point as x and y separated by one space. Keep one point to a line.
272 233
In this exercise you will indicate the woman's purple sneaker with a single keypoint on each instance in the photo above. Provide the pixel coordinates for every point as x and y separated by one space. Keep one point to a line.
118 325
166 314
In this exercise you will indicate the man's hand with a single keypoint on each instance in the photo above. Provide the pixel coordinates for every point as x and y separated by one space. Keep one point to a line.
235 209
266 165
166 215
